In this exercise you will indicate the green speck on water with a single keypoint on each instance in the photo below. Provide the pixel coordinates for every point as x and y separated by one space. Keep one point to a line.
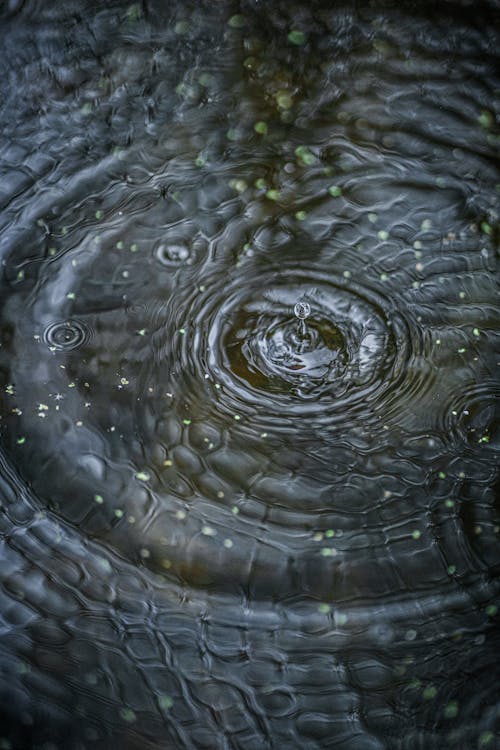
491 610
452 569
99 214
297 37
237 417
485 738
442 475
305 156
120 245
451 710
476 332
237 22
383 235
260 127
239 185
449 503
182 331
284 100
484 439
324 608
335 191
99 499
134 12
235 510
182 27
143 476
485 227
416 534
199 161
119 513
429 692
165 702
71 295
260 184
134 247
273 194
21 440
486 119
142 332
326 552
128 715
186 422
329 533
300 215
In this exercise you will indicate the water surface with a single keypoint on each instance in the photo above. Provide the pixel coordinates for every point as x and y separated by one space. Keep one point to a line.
248 375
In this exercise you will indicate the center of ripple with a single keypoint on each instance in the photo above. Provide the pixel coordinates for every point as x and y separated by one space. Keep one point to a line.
275 351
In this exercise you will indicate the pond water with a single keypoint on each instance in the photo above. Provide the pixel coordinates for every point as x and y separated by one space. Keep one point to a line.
249 370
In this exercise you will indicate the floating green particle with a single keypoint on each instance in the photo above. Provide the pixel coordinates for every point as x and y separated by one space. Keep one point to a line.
71 295
485 739
429 692
21 440
260 184
237 22
486 228
451 710
442 475
273 194
491 610
327 552
165 702
329 533
182 331
119 513
239 185
199 161
300 215
237 417
297 37
134 12
119 245
476 332
128 715
187 422
324 608
449 503
99 214
134 248
143 476
383 235
228 543
416 534
284 100
260 127
335 191
452 569
305 156
99 499
182 27
486 119
484 439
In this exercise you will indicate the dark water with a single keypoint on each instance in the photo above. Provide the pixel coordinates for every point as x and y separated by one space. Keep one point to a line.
223 527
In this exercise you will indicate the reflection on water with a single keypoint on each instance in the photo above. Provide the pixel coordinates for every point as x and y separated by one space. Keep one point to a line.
248 375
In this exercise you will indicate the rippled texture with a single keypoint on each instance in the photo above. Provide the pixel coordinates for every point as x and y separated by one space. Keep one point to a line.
228 522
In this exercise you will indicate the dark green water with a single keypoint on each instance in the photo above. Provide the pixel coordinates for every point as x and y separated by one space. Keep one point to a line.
222 527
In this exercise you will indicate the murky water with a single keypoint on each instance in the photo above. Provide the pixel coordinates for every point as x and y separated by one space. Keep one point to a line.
248 375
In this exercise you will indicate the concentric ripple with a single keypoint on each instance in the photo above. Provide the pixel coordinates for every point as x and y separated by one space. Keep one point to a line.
248 369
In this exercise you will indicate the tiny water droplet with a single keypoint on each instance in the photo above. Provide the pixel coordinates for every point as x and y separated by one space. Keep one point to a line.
302 310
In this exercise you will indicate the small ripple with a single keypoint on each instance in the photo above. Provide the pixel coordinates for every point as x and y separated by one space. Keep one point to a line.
67 335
